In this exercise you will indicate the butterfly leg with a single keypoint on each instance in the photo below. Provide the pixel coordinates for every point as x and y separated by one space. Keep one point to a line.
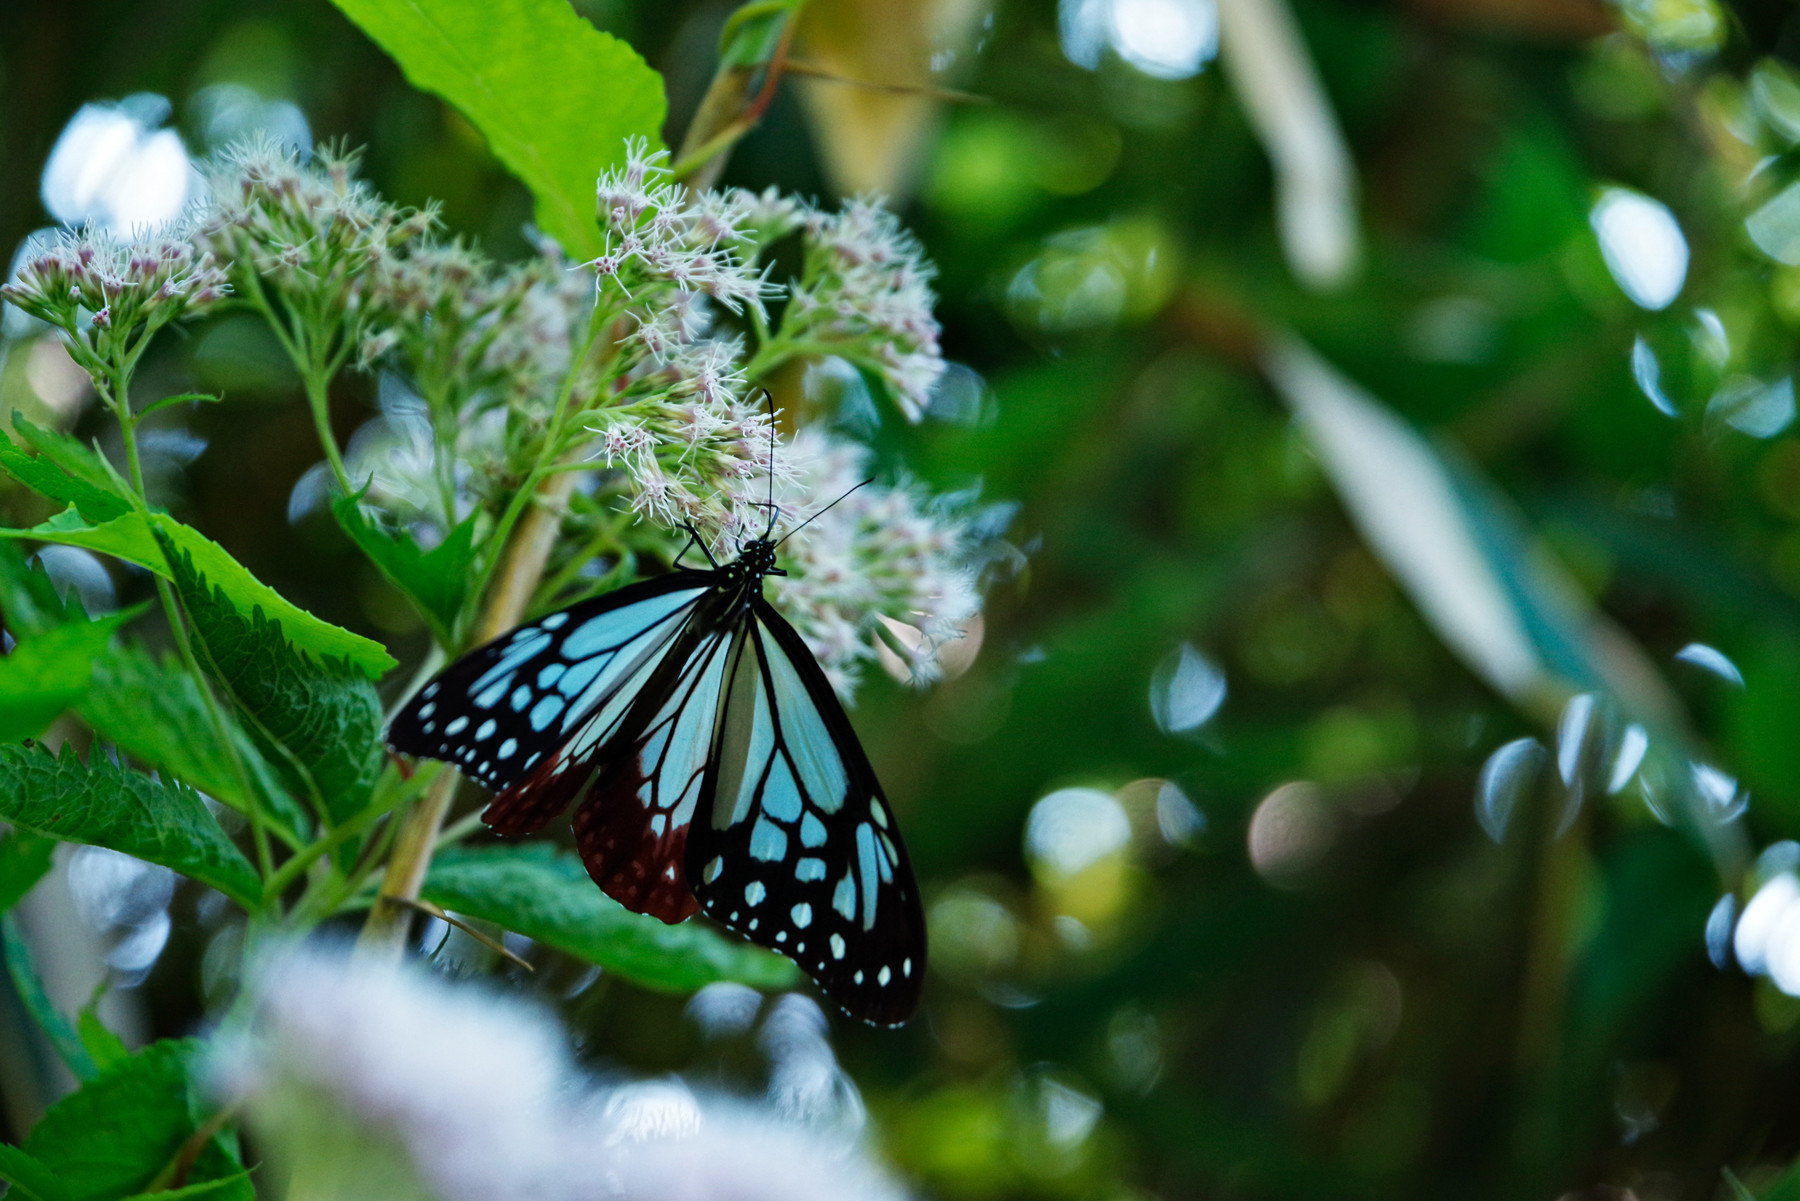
694 541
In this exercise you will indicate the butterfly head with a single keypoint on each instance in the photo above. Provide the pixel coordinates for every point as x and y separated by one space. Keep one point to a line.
757 559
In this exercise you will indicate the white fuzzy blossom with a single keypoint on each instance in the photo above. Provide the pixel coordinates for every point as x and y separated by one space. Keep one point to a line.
309 232
93 284
659 239
866 295
878 558
366 1080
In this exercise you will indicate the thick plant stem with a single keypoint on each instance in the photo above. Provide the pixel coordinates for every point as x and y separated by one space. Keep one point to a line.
384 934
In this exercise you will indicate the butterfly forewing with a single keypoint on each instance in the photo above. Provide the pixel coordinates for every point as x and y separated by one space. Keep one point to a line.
506 706
795 846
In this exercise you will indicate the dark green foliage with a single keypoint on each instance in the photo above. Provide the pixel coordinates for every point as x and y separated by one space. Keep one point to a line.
153 709
546 894
24 858
29 986
436 580
123 1129
317 721
63 470
48 672
101 803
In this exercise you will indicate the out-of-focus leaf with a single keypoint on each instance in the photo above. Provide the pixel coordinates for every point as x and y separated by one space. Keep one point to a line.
545 894
754 32
133 537
45 478
113 1136
554 96
48 672
155 711
436 580
103 1046
29 1178
64 470
319 723
22 971
1279 89
236 1186
24 860
28 597
870 139
1508 612
100 803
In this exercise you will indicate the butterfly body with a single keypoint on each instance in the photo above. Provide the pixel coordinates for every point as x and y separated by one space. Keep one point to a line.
714 767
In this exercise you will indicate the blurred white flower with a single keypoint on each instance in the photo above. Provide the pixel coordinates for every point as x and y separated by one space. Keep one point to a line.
879 555
364 1080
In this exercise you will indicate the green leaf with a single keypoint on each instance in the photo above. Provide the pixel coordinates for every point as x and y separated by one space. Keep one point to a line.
114 1135
1785 1187
236 1185
49 672
30 986
103 1046
63 470
29 600
24 860
30 1179
183 398
545 894
1510 613
154 710
435 580
753 33
100 803
554 96
319 723
133 537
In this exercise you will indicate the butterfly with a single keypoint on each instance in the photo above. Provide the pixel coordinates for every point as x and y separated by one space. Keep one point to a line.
716 769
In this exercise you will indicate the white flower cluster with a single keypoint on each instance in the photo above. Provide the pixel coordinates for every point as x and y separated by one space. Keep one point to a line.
117 285
367 1080
877 560
667 242
312 233
866 296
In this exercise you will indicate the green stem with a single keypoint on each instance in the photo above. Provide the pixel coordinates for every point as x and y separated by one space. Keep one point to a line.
117 395
318 388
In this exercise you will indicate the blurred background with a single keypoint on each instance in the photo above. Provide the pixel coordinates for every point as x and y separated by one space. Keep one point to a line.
1376 774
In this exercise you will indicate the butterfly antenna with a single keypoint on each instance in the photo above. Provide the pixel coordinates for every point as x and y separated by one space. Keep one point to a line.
774 513
828 508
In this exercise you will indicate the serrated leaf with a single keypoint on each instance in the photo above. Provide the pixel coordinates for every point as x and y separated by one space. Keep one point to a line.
435 580
113 1136
554 96
133 538
154 711
63 470
24 860
545 894
21 969
48 672
319 723
29 1179
103 804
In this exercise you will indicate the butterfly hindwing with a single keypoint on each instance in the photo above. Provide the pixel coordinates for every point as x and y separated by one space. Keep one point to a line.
794 845
505 706
633 827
